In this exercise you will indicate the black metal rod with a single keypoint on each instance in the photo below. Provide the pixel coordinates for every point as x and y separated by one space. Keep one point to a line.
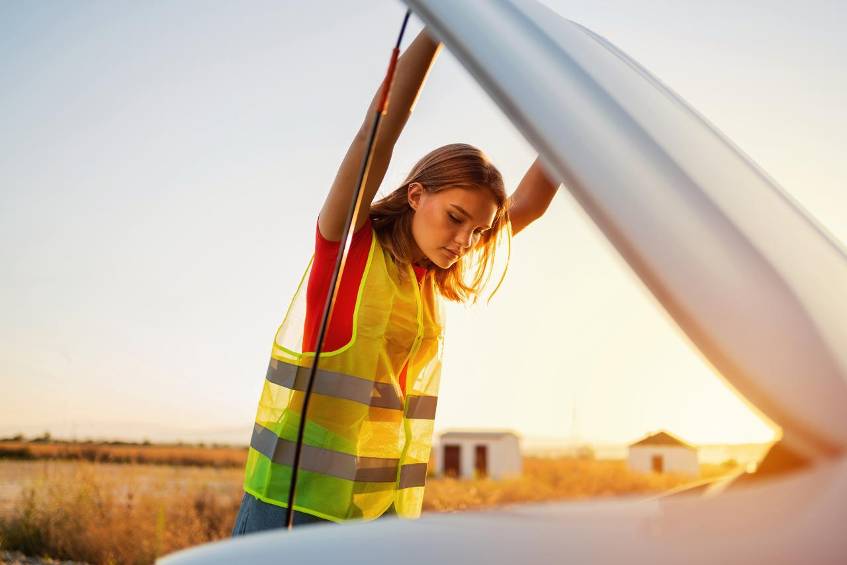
340 261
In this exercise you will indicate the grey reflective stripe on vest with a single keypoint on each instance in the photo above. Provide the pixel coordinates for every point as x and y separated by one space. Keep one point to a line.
413 475
421 407
338 385
326 461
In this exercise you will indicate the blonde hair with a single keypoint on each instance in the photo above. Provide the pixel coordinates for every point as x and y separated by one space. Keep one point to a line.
457 165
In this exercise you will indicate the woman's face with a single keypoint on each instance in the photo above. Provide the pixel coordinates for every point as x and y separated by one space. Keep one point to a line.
448 223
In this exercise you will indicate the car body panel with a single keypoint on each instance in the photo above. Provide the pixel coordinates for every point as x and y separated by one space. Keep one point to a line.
753 281
796 518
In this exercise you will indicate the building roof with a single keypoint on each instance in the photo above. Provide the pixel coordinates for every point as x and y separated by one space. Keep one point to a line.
477 434
661 438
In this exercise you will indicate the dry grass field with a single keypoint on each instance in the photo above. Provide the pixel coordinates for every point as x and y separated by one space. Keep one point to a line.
126 453
102 512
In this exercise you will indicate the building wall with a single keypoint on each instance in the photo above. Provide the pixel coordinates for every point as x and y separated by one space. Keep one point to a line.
676 459
504 457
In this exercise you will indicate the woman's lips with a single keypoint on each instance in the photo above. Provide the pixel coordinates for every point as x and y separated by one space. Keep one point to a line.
451 253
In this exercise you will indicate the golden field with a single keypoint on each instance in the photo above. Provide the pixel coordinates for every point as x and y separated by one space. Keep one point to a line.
117 452
131 513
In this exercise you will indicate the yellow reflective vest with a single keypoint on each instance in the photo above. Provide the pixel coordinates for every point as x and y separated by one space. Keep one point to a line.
365 446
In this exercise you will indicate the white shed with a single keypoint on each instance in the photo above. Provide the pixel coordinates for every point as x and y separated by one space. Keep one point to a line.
662 452
470 454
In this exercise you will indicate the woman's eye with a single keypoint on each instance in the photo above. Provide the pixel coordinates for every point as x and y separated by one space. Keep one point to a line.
455 219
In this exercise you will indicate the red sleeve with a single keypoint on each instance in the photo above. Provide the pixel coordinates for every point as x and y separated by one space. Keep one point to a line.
340 329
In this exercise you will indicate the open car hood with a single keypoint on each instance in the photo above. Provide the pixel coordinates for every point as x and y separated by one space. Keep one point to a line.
753 282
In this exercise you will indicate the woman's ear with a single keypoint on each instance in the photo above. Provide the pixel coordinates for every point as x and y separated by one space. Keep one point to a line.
414 194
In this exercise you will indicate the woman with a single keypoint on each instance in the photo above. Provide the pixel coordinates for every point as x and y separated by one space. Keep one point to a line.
370 419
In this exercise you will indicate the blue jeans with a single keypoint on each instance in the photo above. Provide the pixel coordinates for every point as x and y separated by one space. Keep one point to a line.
255 515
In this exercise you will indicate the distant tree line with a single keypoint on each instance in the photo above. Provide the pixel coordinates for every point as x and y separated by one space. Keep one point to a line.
46 437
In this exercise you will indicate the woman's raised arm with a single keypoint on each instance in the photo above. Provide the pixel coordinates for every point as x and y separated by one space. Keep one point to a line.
532 197
410 74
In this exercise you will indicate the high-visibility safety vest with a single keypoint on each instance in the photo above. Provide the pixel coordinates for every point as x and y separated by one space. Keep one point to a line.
365 445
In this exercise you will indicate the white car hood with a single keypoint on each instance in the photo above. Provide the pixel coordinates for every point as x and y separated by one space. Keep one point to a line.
754 283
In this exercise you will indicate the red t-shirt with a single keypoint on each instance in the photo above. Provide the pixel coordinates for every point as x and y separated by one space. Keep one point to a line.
340 328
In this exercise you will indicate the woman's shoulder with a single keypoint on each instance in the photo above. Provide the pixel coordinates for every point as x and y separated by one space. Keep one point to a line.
361 238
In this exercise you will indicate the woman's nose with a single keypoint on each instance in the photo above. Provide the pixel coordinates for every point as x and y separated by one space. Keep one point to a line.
464 238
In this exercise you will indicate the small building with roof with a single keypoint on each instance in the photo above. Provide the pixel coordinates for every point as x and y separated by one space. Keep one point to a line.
471 454
662 452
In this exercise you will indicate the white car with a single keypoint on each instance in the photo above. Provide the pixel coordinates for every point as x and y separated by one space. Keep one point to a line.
753 282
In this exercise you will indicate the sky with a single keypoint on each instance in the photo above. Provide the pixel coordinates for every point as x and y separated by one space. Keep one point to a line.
162 165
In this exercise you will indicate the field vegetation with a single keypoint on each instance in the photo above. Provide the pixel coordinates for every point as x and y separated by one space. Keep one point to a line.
123 452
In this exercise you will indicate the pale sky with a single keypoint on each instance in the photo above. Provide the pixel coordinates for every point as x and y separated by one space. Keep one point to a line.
162 165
